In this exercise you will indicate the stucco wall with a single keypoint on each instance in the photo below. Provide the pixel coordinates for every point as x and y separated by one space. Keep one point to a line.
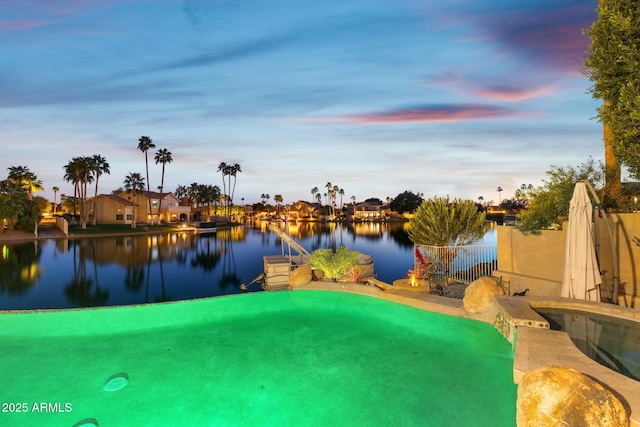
624 228
536 262
533 262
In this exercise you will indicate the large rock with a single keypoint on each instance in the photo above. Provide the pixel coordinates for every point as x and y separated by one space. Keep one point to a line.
317 274
559 396
300 276
480 293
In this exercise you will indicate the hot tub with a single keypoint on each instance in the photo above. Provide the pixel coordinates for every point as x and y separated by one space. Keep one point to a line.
613 342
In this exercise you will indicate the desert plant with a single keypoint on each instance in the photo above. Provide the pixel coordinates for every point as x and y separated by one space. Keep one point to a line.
334 264
353 274
441 222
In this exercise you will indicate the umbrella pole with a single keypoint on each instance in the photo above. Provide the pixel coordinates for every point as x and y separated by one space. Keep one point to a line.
614 254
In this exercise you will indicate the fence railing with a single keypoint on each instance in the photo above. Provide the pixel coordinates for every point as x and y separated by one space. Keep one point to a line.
460 263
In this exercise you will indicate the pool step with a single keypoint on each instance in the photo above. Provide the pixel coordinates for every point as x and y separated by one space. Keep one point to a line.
276 270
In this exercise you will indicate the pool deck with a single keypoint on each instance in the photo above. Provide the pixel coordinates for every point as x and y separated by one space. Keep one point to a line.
536 345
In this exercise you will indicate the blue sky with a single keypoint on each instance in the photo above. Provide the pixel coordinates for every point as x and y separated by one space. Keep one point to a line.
375 96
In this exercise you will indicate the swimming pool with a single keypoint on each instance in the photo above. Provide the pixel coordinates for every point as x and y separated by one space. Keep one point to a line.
611 341
282 358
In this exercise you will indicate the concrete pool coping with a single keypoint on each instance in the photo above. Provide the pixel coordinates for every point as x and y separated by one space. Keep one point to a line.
536 345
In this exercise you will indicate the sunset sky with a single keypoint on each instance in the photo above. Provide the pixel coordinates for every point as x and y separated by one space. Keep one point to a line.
377 97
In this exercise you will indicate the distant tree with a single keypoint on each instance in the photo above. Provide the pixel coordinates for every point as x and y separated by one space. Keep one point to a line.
223 168
181 191
314 191
134 183
374 200
145 144
499 190
55 196
23 176
162 156
14 202
406 202
513 205
98 166
278 201
548 205
234 170
42 204
78 171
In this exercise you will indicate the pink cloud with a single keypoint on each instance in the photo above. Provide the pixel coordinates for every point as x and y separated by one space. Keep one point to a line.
505 92
24 24
510 94
428 114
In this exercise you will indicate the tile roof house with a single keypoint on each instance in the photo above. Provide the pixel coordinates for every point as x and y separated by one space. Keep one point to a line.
119 208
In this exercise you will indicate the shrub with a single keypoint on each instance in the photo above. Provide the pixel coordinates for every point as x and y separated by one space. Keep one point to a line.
334 264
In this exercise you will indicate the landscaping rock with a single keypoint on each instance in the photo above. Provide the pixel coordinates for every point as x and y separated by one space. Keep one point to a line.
480 293
559 396
300 276
318 274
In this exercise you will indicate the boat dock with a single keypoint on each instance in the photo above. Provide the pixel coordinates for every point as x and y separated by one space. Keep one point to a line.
278 267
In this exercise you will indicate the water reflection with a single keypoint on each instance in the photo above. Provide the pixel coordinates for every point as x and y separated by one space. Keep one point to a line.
174 266
20 269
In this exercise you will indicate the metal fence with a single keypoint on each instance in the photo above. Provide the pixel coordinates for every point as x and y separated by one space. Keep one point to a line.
460 263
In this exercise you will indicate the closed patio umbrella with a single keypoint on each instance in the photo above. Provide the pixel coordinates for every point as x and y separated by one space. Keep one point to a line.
581 272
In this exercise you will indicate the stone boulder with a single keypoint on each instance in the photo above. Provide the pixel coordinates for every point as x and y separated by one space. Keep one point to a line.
559 396
480 293
300 276
318 274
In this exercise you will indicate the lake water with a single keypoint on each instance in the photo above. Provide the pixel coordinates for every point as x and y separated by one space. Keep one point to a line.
108 271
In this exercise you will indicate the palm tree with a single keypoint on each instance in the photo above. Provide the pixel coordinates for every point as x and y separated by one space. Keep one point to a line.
55 195
278 200
78 171
328 186
27 179
144 144
314 191
181 191
233 171
499 195
133 183
333 191
223 168
162 156
99 166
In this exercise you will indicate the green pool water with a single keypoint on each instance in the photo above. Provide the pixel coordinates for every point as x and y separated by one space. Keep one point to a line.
304 358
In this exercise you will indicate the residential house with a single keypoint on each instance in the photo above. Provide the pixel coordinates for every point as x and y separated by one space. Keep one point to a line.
112 209
367 211
119 209
171 208
301 210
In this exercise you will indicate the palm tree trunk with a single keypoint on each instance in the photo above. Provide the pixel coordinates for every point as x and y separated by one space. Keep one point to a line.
161 189
146 161
95 198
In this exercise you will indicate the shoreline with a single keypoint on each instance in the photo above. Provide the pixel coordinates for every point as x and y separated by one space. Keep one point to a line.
50 231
